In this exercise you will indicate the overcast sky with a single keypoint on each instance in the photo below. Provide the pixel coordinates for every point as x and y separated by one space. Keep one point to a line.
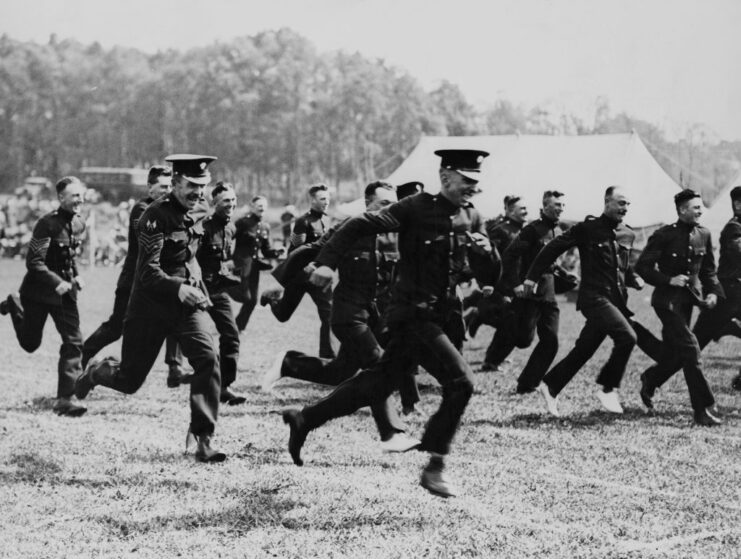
671 62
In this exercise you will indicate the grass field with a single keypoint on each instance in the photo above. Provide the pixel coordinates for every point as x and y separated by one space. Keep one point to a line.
115 483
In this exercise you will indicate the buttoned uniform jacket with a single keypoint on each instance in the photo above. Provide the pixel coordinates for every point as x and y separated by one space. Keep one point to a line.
126 277
214 252
168 243
729 264
308 228
503 233
435 253
520 254
604 248
51 257
252 237
677 249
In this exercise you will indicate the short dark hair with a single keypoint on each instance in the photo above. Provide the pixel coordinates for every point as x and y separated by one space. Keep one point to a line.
685 196
552 194
370 190
220 187
258 198
157 171
64 182
736 193
510 201
317 188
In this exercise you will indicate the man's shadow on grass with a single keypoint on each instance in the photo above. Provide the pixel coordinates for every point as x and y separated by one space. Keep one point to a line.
595 419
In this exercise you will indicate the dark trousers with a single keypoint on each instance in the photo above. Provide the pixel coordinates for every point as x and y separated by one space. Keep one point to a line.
284 308
111 330
66 317
246 293
143 337
681 349
223 316
709 326
358 349
603 319
412 342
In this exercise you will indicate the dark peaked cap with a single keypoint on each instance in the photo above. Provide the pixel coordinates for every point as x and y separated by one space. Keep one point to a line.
191 167
409 188
465 161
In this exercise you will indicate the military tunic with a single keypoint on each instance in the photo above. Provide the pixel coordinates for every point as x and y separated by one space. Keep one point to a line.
424 313
604 248
307 229
168 242
680 249
213 254
51 259
252 238
538 311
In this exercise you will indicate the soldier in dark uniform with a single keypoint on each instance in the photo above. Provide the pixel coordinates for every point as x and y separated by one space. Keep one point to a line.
355 322
530 312
713 323
252 237
159 182
604 244
50 288
307 229
214 254
485 308
169 298
440 237
678 260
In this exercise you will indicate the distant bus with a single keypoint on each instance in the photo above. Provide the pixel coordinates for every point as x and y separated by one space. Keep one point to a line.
115 184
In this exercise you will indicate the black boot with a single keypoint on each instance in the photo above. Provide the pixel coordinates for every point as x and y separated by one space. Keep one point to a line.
433 479
295 421
97 372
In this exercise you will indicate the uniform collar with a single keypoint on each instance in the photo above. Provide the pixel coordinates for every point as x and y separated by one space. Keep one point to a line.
254 216
611 223
686 226
316 213
548 221
176 204
447 204
67 215
220 219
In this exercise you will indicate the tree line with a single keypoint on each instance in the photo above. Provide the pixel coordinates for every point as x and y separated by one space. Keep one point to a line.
277 113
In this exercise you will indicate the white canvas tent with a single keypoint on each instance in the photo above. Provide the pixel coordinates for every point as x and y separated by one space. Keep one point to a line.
580 166
720 212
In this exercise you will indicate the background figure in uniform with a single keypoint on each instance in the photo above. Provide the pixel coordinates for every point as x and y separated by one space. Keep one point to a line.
252 237
488 309
286 223
713 323
355 322
169 298
604 244
538 310
159 183
441 237
214 254
50 288
283 303
678 260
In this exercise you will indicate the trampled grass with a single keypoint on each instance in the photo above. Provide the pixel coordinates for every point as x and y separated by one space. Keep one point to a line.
115 483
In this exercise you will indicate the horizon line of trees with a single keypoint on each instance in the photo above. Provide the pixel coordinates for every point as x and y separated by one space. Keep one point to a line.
278 114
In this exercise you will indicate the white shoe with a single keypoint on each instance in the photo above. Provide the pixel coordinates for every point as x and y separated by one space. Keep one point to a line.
399 442
550 402
273 374
610 401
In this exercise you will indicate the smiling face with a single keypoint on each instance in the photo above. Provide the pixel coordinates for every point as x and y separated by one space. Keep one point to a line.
690 211
225 203
72 197
457 188
616 205
553 207
189 194
258 206
517 212
320 201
